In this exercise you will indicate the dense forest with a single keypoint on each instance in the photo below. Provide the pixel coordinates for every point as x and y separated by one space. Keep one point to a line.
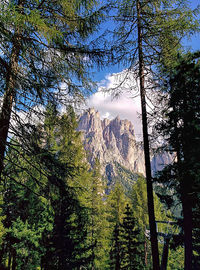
55 211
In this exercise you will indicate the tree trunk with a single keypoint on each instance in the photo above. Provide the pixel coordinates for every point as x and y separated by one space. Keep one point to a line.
145 253
187 226
165 253
9 260
9 95
151 213
186 190
14 261
187 184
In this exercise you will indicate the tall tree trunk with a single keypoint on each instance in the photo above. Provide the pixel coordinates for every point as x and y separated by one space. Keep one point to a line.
9 260
151 213
9 95
187 185
14 260
186 190
145 252
165 253
187 226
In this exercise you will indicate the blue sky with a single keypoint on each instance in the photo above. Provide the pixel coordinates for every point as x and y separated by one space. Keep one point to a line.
127 106
192 44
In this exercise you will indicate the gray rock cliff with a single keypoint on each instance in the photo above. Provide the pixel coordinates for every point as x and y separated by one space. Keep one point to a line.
111 141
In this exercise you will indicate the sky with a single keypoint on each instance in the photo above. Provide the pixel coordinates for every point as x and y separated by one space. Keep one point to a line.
126 105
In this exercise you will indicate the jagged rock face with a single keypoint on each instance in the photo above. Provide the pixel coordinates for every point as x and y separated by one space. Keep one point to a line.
111 141
159 161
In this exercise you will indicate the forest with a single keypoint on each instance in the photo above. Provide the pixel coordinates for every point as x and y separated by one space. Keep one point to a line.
55 208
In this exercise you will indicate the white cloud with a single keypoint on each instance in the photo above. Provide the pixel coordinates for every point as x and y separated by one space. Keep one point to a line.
126 104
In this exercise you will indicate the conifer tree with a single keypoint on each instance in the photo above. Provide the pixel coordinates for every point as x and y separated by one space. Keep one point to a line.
27 215
127 247
148 38
43 50
132 243
58 220
116 204
68 244
181 131
98 225
116 249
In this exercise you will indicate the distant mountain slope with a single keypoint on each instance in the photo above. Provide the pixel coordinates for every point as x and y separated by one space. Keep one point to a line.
113 143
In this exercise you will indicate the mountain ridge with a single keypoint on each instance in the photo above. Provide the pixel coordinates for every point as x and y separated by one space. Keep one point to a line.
113 142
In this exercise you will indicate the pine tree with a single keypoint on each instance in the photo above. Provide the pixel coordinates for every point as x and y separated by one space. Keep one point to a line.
132 243
127 247
115 204
148 37
68 245
43 198
182 129
98 225
43 47
27 214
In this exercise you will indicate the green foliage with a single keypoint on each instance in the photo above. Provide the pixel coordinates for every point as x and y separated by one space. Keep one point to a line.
180 128
98 225
125 177
45 199
115 251
2 229
132 243
127 245
138 197
55 214
176 258
68 245
44 47
27 243
27 215
164 24
116 203
115 208
48 27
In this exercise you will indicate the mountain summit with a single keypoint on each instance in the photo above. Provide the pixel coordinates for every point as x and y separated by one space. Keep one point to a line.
112 142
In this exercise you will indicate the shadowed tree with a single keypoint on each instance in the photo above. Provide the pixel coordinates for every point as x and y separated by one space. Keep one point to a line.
43 56
132 241
180 128
148 37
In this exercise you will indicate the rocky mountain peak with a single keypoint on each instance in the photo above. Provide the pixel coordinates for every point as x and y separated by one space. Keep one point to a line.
111 141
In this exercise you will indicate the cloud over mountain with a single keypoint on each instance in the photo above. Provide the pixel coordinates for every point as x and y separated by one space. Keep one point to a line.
118 95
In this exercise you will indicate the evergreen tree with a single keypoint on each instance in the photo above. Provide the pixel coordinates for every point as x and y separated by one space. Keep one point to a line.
127 248
116 249
148 37
45 216
138 198
27 214
43 45
132 243
115 204
68 247
98 225
181 126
